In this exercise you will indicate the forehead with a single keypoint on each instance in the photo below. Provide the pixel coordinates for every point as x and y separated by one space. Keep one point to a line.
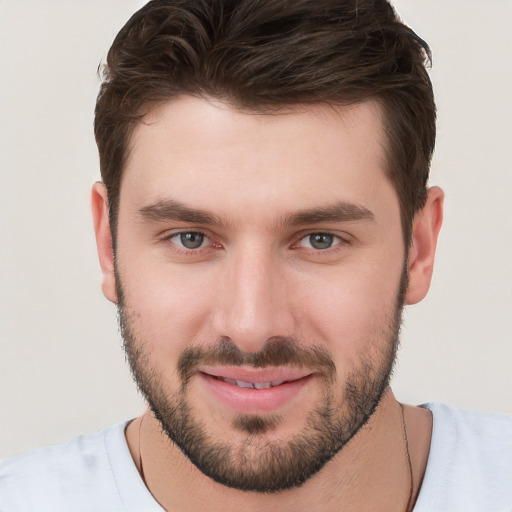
206 152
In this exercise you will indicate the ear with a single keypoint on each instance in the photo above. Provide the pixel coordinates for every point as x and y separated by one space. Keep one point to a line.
426 225
99 203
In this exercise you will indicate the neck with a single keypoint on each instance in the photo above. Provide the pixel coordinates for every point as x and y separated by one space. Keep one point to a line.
371 472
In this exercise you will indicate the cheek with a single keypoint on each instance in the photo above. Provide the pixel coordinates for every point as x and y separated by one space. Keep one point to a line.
168 309
353 312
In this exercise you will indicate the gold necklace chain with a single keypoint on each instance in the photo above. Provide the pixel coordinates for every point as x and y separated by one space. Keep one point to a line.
141 469
407 457
408 460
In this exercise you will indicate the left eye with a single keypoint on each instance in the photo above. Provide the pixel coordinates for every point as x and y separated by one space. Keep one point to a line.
189 239
320 241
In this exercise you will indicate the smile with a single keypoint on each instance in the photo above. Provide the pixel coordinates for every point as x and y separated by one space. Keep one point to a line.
252 385
254 391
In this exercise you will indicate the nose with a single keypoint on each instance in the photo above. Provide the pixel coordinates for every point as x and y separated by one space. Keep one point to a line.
253 305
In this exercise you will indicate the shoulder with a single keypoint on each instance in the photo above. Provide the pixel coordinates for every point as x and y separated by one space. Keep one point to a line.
470 462
473 436
53 477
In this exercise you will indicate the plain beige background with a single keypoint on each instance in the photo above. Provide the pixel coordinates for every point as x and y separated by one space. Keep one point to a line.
62 370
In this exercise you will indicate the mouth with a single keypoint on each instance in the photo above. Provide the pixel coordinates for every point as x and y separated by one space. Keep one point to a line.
252 385
254 391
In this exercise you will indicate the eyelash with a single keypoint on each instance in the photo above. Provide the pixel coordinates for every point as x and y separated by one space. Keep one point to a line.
336 240
338 243
186 250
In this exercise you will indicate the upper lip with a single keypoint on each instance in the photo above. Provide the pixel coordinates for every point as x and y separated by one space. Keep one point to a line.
257 375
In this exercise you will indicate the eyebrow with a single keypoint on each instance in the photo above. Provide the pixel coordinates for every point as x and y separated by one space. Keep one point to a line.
338 212
173 210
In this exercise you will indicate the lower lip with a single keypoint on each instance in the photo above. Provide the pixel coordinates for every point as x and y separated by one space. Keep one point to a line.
253 401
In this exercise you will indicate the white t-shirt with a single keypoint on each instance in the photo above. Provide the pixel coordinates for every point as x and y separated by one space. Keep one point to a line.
469 470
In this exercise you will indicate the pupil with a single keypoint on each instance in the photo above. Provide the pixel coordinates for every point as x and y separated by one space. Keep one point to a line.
321 241
191 240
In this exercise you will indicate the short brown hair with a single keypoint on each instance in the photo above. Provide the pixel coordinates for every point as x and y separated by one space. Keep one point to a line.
261 55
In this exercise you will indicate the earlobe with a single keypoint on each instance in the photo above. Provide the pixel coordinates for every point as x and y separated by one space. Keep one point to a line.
426 225
99 204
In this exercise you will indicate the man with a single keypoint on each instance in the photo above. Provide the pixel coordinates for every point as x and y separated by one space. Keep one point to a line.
263 217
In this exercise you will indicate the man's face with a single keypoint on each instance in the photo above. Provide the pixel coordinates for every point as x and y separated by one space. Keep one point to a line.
260 276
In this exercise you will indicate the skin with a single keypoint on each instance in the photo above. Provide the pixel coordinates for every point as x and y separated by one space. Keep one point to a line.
256 278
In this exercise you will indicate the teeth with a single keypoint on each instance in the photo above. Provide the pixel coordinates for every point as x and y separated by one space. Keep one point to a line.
253 385
262 385
243 384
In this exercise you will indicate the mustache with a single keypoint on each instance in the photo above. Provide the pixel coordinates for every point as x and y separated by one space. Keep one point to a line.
277 351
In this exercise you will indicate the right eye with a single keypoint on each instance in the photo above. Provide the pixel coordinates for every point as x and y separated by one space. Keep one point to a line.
190 240
320 241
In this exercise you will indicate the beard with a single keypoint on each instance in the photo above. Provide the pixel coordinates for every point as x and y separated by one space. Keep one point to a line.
259 462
